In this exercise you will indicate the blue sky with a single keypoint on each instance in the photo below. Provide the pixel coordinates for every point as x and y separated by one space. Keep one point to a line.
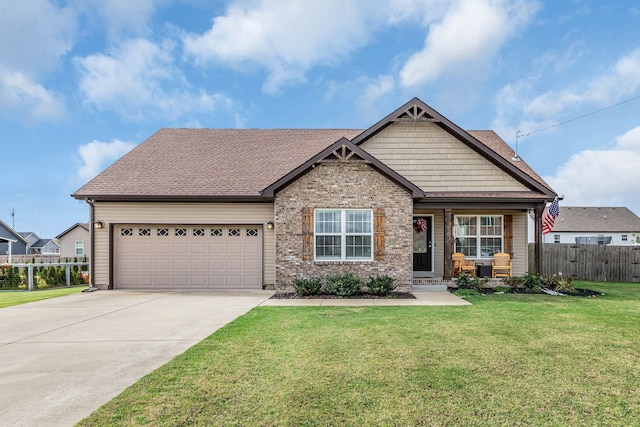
83 81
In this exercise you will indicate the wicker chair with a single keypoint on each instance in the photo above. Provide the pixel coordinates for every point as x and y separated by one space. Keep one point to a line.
501 265
463 265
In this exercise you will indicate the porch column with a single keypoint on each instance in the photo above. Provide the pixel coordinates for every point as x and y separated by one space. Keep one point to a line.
537 255
448 244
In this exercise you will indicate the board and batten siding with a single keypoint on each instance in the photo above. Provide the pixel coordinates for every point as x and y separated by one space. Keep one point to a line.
181 214
434 160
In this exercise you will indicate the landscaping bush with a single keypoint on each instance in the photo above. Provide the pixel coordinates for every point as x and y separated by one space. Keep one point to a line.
381 285
464 281
307 286
344 285
531 281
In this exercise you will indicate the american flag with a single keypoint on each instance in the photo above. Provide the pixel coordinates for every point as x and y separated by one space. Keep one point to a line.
549 218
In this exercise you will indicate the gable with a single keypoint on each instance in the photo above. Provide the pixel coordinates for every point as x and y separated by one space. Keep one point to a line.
436 161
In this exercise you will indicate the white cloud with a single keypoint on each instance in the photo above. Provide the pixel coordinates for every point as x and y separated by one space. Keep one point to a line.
96 155
606 177
286 37
139 80
621 81
371 100
25 100
35 34
466 38
121 17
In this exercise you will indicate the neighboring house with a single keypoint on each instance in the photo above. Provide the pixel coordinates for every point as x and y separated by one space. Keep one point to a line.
74 241
38 246
9 237
595 226
251 208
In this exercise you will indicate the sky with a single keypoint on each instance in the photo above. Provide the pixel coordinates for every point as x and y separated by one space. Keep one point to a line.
84 81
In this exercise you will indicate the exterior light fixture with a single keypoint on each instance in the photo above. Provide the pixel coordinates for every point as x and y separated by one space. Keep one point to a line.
270 225
98 225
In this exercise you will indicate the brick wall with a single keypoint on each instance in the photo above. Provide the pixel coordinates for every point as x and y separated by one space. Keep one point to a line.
343 186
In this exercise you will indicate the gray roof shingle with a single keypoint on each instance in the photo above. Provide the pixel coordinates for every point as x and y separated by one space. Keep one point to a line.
596 219
227 163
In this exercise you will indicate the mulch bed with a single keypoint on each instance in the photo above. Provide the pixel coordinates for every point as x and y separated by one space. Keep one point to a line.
580 292
393 295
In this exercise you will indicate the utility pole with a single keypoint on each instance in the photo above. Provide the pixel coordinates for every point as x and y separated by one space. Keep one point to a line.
13 218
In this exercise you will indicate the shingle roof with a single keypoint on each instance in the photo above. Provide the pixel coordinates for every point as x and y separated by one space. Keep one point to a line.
228 163
596 219
73 227
210 162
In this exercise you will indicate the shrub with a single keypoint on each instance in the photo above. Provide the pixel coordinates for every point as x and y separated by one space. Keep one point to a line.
531 281
381 285
502 289
564 286
344 285
307 286
464 281
480 282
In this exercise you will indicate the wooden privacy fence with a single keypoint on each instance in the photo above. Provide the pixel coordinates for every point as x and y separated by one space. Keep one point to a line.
590 262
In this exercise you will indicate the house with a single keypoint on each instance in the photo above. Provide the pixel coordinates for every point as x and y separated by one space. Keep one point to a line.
11 242
595 226
38 246
254 208
74 241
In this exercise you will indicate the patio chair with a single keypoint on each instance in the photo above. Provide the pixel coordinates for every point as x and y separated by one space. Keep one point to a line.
463 265
501 265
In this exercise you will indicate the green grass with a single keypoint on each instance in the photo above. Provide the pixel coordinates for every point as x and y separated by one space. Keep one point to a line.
9 298
509 360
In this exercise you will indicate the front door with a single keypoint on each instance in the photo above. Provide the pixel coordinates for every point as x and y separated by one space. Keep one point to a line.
422 227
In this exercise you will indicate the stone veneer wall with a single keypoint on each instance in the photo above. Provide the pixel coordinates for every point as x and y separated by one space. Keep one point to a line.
343 186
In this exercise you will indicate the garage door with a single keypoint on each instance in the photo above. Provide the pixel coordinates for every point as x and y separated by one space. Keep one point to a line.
188 257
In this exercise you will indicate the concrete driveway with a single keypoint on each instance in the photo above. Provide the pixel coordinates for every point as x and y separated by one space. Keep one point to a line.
60 359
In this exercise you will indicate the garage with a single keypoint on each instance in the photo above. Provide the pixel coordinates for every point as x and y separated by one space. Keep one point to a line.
155 256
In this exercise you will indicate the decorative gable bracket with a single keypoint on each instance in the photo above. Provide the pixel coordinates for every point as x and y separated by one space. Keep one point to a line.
415 114
343 154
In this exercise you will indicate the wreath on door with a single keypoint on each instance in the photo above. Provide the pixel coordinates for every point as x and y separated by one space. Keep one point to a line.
421 225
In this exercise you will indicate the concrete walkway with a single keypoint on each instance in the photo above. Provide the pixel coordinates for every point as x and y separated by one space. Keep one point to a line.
64 357
422 298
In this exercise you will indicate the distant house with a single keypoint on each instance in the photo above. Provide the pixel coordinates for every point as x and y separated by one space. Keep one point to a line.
38 246
595 226
11 242
74 241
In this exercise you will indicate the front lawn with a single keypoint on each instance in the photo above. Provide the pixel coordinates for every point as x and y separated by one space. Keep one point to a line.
9 298
506 360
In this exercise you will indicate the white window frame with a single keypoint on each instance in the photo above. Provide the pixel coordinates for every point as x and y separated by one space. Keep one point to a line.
343 234
76 247
624 237
478 234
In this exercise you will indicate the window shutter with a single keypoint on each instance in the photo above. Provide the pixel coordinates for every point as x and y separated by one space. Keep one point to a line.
307 234
508 234
378 234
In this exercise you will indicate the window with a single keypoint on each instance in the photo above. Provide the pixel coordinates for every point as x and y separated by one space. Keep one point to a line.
478 236
600 239
556 238
343 234
234 232
79 247
624 238
216 232
144 232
